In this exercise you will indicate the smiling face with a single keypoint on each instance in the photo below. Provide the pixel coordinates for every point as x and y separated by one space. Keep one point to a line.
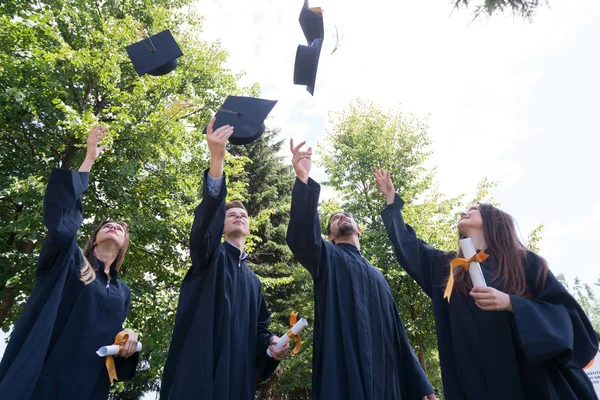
112 232
342 224
470 220
237 223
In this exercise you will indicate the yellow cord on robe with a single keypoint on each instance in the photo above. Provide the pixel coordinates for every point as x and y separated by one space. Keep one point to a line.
463 263
295 338
120 341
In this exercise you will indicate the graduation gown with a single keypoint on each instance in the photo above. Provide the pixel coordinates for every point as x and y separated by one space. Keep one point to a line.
51 352
220 337
536 352
360 346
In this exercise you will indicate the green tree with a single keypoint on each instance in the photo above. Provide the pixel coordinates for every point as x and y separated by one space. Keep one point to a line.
523 8
586 296
63 67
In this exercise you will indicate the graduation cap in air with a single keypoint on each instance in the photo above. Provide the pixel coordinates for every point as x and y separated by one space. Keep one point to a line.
307 62
156 55
247 115
311 22
307 57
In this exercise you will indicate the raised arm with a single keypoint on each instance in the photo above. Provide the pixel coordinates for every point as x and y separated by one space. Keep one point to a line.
422 262
304 230
209 216
63 213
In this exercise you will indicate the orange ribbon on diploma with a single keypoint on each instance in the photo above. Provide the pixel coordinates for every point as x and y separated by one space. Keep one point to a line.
463 263
295 337
120 341
292 334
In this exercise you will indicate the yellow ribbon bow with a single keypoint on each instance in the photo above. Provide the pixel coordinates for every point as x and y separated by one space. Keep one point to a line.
463 263
120 341
295 338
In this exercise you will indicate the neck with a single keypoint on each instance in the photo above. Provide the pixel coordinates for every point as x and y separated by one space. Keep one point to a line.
107 254
238 242
478 239
352 239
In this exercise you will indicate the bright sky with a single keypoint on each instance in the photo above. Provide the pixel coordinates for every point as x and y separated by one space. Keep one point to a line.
518 99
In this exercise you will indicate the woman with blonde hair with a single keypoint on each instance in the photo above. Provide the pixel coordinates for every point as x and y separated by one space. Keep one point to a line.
523 336
78 304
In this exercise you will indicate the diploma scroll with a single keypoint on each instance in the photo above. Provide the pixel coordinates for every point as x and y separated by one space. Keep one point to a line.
113 350
474 269
285 339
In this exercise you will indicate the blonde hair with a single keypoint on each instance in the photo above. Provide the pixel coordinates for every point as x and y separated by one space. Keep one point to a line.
88 274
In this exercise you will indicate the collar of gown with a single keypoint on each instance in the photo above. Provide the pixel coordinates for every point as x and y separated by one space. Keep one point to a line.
234 250
349 246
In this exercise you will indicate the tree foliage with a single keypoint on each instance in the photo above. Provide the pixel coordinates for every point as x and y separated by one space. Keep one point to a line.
63 67
522 8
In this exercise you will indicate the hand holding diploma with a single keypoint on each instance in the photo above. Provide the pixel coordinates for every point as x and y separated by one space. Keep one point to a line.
124 346
279 346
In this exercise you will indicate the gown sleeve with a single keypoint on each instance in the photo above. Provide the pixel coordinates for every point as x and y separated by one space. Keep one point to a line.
417 384
207 229
552 325
421 261
304 230
265 365
63 213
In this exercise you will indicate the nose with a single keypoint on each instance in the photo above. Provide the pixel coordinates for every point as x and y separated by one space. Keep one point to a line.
462 214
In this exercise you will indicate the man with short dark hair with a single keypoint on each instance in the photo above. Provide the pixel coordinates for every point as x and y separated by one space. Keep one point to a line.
220 337
360 349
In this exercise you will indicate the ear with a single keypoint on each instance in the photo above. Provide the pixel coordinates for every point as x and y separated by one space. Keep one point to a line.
331 238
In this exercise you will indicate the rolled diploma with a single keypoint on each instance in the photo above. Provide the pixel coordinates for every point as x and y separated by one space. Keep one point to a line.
285 339
474 269
113 350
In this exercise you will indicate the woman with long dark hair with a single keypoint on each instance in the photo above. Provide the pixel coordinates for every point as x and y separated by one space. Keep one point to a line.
78 304
521 337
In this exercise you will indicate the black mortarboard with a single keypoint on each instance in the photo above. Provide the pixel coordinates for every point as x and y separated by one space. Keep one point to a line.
246 115
311 22
307 62
156 55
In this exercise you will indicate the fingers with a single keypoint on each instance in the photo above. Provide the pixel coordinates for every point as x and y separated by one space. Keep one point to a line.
301 156
480 296
274 353
295 149
209 128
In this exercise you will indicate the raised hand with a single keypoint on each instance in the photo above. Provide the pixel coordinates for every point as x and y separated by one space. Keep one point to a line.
217 141
301 160
95 136
384 183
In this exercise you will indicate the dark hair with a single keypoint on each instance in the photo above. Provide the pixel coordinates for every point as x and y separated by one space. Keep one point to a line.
235 204
87 271
503 243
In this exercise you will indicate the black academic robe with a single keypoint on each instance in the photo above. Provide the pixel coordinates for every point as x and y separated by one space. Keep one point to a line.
220 338
537 352
51 354
360 346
